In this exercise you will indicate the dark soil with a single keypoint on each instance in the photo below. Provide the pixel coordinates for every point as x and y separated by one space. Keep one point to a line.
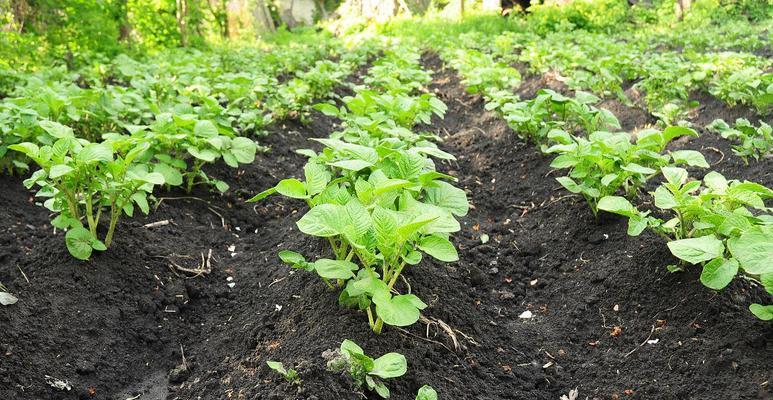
128 322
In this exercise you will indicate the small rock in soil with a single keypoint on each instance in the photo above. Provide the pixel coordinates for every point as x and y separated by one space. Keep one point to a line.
179 374
597 237
84 367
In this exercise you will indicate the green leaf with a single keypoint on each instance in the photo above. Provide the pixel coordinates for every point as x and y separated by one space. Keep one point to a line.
79 242
243 149
390 365
764 313
617 205
385 226
205 129
380 388
438 247
324 220
291 257
697 250
349 347
426 392
715 181
56 129
335 269
401 310
262 195
689 157
172 175
292 188
221 186
317 177
448 197
95 152
754 252
767 282
637 224
719 272
154 178
673 132
664 199
141 199
569 184
277 366
675 176
207 155
327 109
30 149
351 165
59 170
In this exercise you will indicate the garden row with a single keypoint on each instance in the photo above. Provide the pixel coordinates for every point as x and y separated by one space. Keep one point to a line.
648 65
721 224
374 193
102 150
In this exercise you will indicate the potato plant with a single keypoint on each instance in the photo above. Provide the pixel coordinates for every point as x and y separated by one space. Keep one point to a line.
379 209
371 117
180 145
605 162
83 181
290 375
367 371
721 224
534 119
751 141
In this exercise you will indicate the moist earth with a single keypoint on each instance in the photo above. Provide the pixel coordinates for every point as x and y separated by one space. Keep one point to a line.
607 318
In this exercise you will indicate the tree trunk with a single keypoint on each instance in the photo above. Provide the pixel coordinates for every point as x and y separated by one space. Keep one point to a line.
181 13
682 6
122 16
262 18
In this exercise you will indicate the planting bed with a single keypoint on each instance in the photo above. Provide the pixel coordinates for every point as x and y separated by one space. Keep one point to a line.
131 322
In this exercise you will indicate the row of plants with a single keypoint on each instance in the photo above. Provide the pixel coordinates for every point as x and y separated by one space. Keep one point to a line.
100 152
117 96
653 65
607 67
374 193
721 224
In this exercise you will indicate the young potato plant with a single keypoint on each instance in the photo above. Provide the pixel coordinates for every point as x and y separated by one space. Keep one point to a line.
607 162
290 375
369 107
295 97
754 141
84 181
723 225
482 74
399 71
426 392
180 145
371 117
367 371
534 119
380 208
751 86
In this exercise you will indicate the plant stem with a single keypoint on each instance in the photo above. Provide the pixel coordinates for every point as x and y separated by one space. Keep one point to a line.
115 213
333 246
90 215
370 317
192 176
395 275
378 325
